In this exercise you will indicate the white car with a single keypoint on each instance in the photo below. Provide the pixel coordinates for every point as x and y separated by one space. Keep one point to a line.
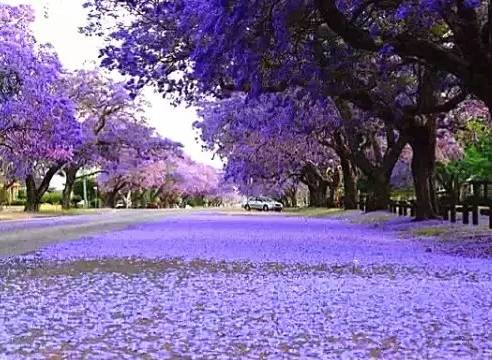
263 203
120 205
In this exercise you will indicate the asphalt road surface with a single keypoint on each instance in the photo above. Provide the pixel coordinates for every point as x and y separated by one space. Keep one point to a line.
22 236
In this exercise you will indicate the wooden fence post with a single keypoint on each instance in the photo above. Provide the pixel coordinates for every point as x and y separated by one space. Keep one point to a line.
445 212
475 214
490 216
466 214
453 213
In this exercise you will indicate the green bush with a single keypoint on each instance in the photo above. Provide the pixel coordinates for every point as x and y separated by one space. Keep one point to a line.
403 194
78 188
21 195
53 198
75 200
18 202
94 203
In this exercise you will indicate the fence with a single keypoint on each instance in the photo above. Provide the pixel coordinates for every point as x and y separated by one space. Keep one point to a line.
448 212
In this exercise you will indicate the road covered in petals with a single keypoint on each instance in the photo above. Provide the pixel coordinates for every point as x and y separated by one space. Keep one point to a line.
23 236
229 286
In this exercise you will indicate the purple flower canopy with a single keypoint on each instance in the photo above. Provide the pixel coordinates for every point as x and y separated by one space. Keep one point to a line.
37 120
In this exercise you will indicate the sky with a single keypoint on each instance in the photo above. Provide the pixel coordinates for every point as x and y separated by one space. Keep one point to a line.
58 21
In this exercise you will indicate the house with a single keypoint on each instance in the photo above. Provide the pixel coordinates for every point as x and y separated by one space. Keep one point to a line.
9 192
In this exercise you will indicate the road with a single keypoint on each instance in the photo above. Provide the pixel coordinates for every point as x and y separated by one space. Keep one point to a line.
204 284
22 236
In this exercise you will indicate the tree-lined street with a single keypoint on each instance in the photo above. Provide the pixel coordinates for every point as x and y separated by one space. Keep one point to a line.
267 179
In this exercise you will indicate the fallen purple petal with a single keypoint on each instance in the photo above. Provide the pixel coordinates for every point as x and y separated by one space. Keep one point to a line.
245 287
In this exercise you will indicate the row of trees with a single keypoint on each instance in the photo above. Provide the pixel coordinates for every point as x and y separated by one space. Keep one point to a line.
175 181
53 121
302 88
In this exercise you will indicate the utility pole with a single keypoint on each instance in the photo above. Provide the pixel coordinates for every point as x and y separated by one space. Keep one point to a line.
85 191
96 200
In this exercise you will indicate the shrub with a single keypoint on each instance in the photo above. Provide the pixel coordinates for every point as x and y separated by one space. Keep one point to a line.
94 203
53 198
75 200
21 195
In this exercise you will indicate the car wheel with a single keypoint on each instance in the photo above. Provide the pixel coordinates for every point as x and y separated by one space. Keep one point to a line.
247 208
265 208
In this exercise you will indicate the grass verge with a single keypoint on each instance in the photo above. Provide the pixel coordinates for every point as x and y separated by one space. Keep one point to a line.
313 212
430 231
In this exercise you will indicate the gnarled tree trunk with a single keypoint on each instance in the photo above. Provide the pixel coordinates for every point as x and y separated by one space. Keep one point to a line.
111 196
379 191
317 194
349 176
423 143
422 138
32 198
317 185
110 199
70 177
290 195
349 184
34 193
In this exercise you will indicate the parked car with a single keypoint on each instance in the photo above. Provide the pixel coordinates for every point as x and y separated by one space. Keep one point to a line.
263 203
120 205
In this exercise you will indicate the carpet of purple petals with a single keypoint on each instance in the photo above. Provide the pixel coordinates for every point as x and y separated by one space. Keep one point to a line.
216 286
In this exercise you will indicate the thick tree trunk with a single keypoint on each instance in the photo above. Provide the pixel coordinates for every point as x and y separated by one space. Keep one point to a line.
293 200
348 173
351 145
317 194
422 138
349 184
330 200
317 185
423 143
379 192
291 196
32 198
34 193
70 177
110 199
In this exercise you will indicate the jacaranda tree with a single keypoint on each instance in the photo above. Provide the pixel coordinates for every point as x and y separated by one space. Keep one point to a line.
273 140
111 120
38 130
191 49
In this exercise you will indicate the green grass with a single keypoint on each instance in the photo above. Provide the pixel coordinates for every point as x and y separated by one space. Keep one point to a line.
65 212
313 212
46 210
372 218
430 231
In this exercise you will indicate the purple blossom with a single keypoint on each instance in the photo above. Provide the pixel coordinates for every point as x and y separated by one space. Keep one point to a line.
403 11
471 4
222 286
